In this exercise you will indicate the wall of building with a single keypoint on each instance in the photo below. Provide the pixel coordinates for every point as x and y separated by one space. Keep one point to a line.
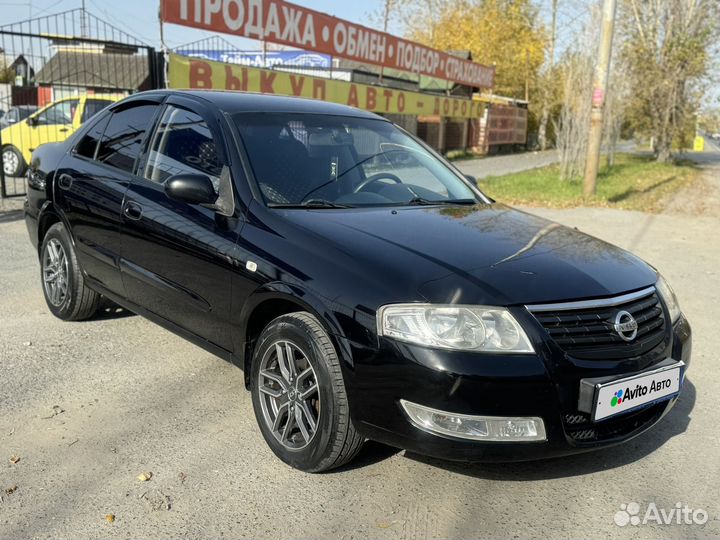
405 121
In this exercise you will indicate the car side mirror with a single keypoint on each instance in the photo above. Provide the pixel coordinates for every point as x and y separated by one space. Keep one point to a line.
472 179
32 121
191 188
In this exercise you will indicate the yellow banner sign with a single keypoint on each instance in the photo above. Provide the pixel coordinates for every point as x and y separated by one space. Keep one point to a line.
186 72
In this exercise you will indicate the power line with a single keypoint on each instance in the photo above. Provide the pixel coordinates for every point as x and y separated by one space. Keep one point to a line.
131 31
47 8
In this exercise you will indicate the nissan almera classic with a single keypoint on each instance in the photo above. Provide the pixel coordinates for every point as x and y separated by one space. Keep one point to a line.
367 288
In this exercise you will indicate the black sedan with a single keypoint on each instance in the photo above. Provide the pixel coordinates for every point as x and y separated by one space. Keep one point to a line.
366 287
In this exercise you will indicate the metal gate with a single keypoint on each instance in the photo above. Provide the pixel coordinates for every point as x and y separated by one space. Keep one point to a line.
55 73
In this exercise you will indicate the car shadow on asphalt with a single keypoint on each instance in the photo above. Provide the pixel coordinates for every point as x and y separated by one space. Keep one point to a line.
107 310
371 453
673 424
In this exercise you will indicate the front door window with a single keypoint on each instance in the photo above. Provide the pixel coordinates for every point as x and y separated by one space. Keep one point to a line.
61 113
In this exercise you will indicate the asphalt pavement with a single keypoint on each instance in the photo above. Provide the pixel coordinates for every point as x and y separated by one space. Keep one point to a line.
88 407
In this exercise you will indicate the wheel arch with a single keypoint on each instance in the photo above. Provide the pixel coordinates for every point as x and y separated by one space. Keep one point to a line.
47 217
274 300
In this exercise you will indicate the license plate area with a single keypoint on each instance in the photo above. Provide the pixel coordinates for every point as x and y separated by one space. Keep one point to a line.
607 396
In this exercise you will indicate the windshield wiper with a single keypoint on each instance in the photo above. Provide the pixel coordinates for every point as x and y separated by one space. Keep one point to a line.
420 201
312 203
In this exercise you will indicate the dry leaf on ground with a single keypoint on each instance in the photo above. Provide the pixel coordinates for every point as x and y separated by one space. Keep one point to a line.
144 477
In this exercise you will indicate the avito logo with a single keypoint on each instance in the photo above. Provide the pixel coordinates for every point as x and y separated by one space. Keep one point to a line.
640 390
680 514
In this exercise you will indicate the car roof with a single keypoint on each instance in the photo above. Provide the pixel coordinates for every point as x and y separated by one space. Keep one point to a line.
106 96
241 102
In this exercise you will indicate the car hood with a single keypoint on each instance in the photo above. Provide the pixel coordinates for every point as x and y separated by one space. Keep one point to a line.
478 254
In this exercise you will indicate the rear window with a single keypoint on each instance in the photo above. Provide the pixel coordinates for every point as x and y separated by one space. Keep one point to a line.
121 143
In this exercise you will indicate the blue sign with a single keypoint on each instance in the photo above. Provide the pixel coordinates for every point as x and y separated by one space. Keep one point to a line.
255 58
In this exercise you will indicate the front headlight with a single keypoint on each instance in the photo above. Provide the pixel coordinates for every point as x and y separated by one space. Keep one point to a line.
669 297
466 328
36 178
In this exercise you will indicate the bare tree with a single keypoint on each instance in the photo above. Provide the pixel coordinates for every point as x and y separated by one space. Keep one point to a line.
547 77
615 108
7 73
666 46
571 129
407 13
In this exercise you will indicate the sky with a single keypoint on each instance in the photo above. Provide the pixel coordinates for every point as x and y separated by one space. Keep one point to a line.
139 17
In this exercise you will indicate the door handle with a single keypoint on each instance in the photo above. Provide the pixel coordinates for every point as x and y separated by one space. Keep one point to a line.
63 130
132 210
65 181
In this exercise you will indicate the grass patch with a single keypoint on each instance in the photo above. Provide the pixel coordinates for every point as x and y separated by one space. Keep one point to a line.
632 183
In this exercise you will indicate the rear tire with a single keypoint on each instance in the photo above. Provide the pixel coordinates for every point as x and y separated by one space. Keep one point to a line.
12 161
66 293
299 395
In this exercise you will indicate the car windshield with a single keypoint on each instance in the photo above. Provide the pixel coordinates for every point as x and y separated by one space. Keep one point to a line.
24 112
328 161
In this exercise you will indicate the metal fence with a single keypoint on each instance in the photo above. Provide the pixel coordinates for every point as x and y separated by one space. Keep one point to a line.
55 73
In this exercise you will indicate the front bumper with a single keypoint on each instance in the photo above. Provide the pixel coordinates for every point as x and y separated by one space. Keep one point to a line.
544 385
31 222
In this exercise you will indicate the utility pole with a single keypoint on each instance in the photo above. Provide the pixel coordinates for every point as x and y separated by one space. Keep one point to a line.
545 82
600 80
83 24
386 19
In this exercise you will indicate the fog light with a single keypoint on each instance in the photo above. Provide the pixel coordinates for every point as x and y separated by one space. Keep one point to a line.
477 428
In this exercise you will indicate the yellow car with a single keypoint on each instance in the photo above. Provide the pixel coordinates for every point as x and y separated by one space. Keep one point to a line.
53 123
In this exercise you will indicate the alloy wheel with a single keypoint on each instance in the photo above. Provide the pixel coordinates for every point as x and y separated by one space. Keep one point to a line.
55 272
289 396
10 162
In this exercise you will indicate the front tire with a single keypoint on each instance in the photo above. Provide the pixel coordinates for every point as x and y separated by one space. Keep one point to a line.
66 293
299 395
13 162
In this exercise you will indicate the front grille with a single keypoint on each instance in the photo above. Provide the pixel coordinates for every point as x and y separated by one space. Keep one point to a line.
586 329
585 430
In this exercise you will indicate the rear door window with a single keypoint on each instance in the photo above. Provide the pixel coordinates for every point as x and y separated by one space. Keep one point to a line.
121 142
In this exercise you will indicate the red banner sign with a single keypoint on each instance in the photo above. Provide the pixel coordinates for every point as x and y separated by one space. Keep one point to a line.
289 24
